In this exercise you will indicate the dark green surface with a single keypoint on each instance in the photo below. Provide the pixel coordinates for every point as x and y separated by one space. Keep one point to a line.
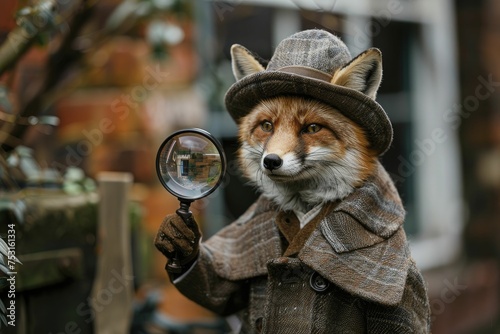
56 241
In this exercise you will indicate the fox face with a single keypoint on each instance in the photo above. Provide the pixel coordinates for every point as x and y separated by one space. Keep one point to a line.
301 152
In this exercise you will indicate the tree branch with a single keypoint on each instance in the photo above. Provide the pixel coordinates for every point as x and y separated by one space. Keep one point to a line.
32 22
58 65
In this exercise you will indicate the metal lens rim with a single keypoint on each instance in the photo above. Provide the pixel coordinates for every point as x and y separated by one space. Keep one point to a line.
213 140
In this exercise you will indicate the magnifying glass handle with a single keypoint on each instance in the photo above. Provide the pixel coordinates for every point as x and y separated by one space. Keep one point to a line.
174 265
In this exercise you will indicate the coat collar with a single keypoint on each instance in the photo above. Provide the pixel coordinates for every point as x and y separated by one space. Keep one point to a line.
359 243
369 215
369 255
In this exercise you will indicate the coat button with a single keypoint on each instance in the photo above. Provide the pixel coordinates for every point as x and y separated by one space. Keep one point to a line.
318 283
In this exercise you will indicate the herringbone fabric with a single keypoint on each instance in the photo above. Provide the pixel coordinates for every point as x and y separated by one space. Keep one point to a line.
357 250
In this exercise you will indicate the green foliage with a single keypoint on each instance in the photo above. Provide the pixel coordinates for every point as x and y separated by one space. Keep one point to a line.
75 182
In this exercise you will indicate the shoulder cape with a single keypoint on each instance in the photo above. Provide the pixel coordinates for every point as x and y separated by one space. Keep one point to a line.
359 245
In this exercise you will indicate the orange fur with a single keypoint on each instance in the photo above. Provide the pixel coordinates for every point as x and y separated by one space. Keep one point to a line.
340 142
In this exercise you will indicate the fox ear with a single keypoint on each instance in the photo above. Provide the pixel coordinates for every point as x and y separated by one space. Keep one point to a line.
363 73
243 62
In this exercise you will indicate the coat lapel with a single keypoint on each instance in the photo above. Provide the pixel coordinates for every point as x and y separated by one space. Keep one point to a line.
375 273
371 214
359 244
368 253
241 250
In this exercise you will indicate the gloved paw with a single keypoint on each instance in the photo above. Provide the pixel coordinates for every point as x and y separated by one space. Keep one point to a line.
175 237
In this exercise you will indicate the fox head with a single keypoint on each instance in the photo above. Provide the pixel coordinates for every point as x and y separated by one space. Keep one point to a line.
299 151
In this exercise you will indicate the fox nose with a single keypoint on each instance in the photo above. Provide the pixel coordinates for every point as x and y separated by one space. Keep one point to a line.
272 162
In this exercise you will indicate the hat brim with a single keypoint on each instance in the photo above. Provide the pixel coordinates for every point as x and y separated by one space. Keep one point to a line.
246 93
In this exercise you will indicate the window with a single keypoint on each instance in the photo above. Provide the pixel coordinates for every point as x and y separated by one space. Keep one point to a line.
184 167
419 86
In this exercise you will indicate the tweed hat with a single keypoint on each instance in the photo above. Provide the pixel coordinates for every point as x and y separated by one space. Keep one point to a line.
303 65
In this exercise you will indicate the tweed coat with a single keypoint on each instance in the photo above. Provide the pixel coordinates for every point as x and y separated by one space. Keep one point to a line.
349 270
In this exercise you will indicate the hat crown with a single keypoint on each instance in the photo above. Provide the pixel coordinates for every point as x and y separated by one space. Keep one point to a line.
317 49
314 64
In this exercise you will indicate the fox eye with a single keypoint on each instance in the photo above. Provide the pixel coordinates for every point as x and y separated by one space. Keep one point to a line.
312 128
266 126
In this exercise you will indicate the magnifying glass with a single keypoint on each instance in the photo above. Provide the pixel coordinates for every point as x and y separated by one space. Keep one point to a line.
190 164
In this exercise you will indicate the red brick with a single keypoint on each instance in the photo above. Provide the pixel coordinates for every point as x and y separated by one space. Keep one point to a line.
7 16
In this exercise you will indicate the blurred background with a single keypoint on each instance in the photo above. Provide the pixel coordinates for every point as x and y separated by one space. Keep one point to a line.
90 88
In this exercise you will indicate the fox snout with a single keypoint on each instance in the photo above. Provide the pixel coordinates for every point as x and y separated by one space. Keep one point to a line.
272 161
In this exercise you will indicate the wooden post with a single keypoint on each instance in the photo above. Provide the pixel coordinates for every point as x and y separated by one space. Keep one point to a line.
112 292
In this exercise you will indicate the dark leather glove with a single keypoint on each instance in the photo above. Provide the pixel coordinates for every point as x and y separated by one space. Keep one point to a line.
179 238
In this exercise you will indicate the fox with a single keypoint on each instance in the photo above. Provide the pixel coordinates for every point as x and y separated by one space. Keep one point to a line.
323 249
302 152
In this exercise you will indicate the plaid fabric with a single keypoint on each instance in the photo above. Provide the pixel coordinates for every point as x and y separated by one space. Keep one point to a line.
317 51
358 246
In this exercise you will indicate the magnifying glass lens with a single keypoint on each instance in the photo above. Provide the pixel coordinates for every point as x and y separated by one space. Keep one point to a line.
190 165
